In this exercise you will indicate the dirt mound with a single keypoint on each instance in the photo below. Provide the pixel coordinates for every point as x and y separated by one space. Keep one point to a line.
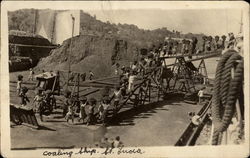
96 53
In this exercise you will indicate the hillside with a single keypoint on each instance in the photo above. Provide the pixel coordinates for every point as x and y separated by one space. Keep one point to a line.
99 46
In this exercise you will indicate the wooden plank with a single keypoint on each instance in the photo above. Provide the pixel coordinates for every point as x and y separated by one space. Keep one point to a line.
36 46
186 55
99 82
91 92
199 58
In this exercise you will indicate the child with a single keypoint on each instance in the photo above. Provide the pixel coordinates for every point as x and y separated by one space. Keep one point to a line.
31 75
19 84
66 103
103 109
38 100
82 109
201 94
90 114
23 96
71 112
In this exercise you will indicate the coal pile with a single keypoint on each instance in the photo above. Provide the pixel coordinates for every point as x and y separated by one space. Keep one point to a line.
89 52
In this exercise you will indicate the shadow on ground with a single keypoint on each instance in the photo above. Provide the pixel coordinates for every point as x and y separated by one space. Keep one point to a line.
126 118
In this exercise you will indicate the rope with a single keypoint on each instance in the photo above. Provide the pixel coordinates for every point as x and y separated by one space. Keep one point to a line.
226 89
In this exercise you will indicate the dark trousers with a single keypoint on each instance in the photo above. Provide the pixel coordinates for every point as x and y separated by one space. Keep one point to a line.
90 118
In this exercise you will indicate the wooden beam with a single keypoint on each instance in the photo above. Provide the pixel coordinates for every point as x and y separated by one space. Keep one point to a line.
196 59
36 46
217 52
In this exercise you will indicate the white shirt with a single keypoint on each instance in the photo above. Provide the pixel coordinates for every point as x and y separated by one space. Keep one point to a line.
117 95
105 106
83 105
116 72
134 67
19 85
131 78
200 93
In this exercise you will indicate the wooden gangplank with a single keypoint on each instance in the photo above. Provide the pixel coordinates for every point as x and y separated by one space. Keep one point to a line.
217 52
199 58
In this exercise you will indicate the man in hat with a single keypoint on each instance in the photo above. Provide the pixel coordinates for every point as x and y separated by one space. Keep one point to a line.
83 105
208 46
223 41
117 97
103 109
90 114
216 42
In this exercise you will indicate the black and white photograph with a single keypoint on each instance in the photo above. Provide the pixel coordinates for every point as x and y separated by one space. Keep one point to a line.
124 78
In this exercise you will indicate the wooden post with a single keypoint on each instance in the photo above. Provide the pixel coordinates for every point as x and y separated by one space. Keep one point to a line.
149 91
59 86
35 20
73 23
202 68
78 85
54 84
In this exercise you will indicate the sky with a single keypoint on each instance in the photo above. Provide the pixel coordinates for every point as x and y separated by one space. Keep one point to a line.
208 21
211 18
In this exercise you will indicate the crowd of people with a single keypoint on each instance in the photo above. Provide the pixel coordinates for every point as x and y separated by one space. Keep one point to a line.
89 111
174 46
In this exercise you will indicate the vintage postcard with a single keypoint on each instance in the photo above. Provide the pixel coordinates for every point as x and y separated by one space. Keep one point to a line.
124 79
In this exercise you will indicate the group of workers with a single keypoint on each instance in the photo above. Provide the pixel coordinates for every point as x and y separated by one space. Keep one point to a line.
173 46
90 111
41 101
83 76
